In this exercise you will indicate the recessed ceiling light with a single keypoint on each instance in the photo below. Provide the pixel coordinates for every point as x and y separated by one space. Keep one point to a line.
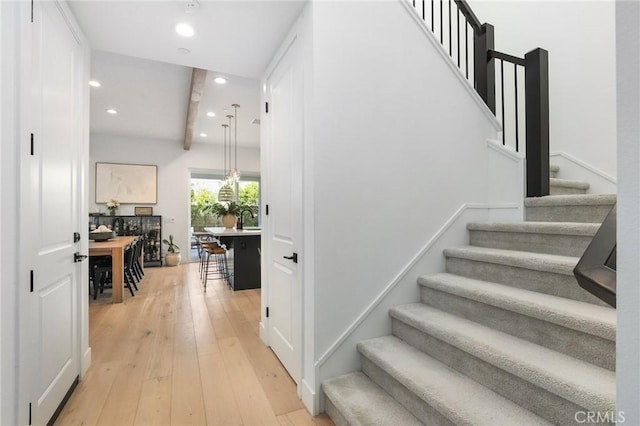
183 50
220 80
95 83
203 135
111 111
211 114
185 30
191 6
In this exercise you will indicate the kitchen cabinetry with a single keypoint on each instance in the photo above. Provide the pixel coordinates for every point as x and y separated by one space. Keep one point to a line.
149 227
244 263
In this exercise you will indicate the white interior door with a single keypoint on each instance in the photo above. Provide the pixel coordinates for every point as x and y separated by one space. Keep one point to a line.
51 211
284 221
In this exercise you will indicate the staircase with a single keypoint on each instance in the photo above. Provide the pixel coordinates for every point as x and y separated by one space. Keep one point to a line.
504 337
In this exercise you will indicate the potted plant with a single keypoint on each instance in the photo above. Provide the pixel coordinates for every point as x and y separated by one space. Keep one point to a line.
228 212
172 258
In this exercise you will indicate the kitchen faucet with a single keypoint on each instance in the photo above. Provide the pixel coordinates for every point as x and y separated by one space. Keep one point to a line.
239 225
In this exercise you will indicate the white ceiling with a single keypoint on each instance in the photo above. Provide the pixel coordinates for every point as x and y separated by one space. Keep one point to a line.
150 85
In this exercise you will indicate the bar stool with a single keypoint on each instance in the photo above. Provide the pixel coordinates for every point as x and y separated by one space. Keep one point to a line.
202 239
216 267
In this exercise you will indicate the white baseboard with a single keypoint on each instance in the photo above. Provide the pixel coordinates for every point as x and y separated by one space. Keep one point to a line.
456 71
309 396
575 169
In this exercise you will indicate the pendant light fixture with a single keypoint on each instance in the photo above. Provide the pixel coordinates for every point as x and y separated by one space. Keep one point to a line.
228 177
235 172
226 192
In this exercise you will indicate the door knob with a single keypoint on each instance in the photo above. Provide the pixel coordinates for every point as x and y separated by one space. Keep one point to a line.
293 257
77 257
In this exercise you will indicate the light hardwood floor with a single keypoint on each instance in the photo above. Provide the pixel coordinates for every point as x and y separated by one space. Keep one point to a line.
174 355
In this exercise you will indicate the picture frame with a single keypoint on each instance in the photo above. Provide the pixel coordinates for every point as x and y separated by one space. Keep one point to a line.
126 183
143 211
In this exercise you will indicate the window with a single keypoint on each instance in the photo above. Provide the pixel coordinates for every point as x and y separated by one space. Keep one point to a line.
204 192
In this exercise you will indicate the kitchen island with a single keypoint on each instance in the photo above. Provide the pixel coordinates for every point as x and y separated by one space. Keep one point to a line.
243 255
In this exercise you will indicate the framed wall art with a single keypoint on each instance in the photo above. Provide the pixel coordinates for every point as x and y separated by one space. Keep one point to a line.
143 211
127 183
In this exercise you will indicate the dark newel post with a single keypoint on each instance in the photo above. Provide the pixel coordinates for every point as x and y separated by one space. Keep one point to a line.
484 69
537 113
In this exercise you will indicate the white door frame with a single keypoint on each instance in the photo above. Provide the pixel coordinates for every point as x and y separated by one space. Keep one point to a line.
25 377
265 155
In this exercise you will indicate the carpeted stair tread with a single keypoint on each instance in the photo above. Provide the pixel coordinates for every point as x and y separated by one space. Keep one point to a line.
577 381
521 259
554 168
566 183
571 200
362 402
560 228
455 396
584 317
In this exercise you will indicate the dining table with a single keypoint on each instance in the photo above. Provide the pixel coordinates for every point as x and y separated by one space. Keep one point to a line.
114 247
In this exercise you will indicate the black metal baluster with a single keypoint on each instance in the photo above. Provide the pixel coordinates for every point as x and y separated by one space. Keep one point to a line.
414 3
466 47
433 25
423 15
504 127
441 33
515 85
450 42
458 29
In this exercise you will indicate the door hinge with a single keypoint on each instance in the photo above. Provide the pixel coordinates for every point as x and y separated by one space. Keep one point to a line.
267 210
31 281
267 312
266 107
32 148
29 413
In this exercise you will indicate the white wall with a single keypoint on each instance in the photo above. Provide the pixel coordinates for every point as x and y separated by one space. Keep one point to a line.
399 144
628 336
580 38
174 165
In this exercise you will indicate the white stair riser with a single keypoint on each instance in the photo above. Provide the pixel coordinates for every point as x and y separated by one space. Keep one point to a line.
581 214
414 404
584 346
565 245
541 281
537 400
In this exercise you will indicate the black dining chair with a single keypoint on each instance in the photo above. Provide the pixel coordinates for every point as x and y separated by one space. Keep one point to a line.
130 278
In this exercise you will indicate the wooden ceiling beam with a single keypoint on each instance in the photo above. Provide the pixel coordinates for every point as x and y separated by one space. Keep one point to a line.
198 79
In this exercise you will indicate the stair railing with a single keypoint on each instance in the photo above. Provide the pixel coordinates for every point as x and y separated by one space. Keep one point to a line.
474 54
596 269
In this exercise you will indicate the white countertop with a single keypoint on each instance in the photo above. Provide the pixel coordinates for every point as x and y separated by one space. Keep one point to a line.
232 232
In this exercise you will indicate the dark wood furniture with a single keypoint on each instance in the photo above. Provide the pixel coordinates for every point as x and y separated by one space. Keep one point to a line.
148 227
